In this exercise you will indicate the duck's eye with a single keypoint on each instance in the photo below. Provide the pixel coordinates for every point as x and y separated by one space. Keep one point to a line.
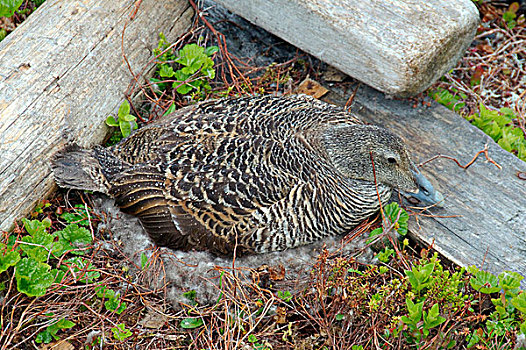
391 160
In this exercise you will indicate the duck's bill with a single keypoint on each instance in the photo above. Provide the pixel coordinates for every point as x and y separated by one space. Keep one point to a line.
426 193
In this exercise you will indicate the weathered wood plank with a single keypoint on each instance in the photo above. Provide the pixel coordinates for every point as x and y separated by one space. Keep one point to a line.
397 46
489 204
61 74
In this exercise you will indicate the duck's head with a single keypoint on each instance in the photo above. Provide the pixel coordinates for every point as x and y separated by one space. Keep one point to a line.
354 148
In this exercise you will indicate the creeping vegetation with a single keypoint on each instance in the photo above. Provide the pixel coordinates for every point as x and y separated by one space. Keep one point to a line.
189 70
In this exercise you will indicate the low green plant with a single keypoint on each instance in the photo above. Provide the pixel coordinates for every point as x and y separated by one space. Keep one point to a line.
113 302
193 70
191 323
125 121
510 306
256 345
385 255
144 261
420 276
450 100
286 296
79 215
510 15
499 126
121 332
416 315
8 7
395 217
433 293
50 333
32 255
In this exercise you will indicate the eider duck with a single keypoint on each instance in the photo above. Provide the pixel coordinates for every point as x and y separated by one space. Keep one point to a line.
255 174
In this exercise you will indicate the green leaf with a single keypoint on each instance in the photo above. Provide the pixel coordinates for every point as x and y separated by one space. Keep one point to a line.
129 118
385 255
392 210
71 238
111 121
8 7
485 282
170 110
156 84
339 317
189 71
183 89
44 337
124 109
519 301
115 304
104 292
64 324
505 144
191 323
415 312
285 296
33 226
7 258
58 275
79 215
120 332
508 112
373 234
419 276
166 71
126 128
144 261
33 277
433 318
209 73
510 281
209 51
39 244
181 77
189 54
81 269
50 332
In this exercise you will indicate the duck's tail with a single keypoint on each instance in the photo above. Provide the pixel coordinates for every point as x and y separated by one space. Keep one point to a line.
79 169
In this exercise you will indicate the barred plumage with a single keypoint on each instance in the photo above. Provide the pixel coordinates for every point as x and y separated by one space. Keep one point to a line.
257 173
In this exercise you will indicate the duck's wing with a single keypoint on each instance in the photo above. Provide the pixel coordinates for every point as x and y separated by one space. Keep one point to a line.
207 192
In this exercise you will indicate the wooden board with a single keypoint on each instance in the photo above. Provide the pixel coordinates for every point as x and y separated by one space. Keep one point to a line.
61 74
397 46
489 205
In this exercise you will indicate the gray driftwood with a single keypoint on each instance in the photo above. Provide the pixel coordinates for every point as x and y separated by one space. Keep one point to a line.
61 74
397 46
484 217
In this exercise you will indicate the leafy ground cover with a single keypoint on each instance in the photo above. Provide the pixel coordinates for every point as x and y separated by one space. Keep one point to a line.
14 12
64 278
488 86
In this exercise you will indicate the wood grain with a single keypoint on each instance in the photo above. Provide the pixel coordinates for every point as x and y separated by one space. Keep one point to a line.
397 46
61 74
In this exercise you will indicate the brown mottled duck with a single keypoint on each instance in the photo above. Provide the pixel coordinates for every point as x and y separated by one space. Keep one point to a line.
256 173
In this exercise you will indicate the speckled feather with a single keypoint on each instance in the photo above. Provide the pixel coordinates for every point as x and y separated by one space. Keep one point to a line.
253 173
